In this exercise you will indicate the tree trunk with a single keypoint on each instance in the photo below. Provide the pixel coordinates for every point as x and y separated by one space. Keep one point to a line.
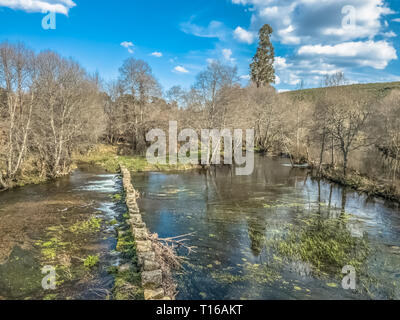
333 153
345 161
3 185
321 156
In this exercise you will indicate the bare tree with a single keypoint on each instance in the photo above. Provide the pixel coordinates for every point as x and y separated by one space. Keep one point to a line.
389 142
348 117
16 77
209 84
66 101
335 80
138 81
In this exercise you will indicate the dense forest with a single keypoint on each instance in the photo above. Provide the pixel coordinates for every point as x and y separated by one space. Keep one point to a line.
51 108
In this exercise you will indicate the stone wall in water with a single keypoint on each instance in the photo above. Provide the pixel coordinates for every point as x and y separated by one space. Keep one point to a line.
152 275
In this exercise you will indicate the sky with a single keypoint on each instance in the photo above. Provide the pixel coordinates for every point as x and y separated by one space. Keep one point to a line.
179 38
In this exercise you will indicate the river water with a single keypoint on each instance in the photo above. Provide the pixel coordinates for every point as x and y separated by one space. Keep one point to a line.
60 224
277 234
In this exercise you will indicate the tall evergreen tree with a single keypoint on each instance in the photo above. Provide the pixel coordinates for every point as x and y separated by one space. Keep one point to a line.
262 68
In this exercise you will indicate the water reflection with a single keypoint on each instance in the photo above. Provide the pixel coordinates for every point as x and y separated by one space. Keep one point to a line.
277 234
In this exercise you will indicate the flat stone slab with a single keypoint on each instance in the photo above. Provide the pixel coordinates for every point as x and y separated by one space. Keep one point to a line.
137 218
137 224
144 246
140 233
154 294
142 256
150 265
152 279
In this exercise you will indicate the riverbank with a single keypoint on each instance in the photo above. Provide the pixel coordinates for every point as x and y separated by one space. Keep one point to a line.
107 157
354 180
104 156
360 183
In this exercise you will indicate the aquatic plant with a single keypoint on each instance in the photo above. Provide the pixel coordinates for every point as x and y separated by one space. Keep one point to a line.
326 244
88 226
91 261
117 197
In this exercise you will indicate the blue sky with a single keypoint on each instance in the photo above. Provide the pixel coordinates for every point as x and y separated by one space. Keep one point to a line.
178 38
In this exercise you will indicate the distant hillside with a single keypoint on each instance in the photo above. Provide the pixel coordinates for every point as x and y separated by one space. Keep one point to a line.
375 90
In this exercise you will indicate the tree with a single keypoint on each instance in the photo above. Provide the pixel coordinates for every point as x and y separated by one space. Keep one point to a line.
262 68
348 115
175 95
17 78
268 116
389 125
209 85
335 80
139 83
66 100
137 79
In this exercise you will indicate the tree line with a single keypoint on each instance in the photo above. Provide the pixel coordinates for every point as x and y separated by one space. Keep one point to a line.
50 107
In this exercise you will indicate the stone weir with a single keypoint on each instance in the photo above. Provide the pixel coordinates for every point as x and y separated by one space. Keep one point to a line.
152 275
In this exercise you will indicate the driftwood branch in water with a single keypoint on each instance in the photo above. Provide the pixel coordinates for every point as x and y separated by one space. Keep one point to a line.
168 258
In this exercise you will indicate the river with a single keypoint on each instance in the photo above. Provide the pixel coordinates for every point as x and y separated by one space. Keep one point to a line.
59 224
249 230
277 234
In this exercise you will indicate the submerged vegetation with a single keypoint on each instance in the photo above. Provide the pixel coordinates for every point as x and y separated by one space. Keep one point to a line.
62 249
91 261
327 245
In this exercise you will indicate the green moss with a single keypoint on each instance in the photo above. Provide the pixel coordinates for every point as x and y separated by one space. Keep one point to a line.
49 253
127 284
260 274
227 278
50 297
283 205
113 222
117 197
89 226
91 261
112 270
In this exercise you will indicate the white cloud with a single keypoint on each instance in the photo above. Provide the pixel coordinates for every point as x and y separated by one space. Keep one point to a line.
280 63
180 69
243 35
157 54
288 37
245 77
320 44
303 21
366 54
58 6
128 45
227 53
215 29
294 79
